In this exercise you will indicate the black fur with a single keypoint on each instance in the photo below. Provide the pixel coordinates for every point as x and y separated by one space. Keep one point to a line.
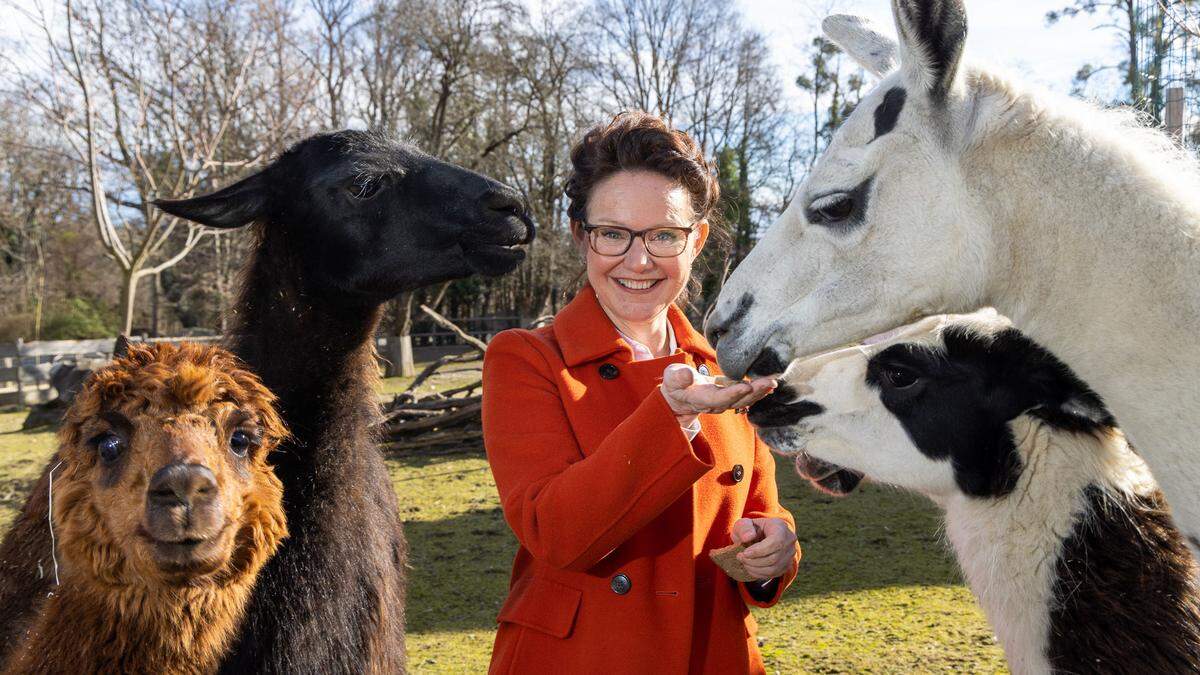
778 409
939 27
888 112
767 363
1125 597
962 398
343 222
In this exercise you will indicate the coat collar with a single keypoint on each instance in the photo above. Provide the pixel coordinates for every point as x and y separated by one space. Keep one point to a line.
585 333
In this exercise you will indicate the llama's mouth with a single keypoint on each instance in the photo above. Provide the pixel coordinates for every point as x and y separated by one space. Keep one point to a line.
826 476
190 555
502 253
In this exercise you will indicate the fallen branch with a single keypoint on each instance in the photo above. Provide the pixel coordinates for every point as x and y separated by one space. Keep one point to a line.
458 417
456 438
450 325
432 368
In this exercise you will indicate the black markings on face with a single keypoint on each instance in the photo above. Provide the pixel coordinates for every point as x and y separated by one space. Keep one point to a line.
956 402
841 211
780 409
714 332
888 112
767 363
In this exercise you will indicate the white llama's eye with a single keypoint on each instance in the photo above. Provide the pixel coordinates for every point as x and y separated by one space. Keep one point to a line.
830 209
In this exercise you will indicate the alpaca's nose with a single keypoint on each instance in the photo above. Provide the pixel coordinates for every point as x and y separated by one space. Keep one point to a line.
182 484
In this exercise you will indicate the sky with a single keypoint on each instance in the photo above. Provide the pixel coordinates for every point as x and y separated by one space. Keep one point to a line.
1009 33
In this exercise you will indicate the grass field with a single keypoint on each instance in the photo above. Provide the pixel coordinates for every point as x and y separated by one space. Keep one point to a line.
876 593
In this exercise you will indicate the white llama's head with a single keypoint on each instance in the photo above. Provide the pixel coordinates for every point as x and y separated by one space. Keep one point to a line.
929 408
884 229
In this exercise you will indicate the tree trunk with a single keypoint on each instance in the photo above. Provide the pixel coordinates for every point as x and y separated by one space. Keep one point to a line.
129 281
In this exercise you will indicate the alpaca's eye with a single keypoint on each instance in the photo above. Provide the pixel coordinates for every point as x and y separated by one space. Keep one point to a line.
365 186
109 446
898 378
831 209
240 442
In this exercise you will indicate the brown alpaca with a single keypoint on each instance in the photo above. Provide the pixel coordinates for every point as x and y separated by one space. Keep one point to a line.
164 511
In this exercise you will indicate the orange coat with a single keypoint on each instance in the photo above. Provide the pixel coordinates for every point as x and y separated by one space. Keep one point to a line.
615 510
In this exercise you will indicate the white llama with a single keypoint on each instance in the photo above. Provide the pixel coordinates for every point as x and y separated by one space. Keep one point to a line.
952 188
1058 526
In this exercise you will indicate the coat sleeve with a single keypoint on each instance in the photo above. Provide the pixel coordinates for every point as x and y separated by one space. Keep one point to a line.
567 509
763 502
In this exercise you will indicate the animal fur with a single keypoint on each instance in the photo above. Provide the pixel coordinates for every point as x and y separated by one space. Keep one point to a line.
116 611
1079 224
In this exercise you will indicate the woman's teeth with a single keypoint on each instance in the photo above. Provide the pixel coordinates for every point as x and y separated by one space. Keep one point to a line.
637 285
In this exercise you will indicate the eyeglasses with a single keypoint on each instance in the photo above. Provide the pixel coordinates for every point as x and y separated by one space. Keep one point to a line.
660 242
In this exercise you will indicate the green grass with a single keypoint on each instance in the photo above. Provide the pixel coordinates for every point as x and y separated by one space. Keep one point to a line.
877 592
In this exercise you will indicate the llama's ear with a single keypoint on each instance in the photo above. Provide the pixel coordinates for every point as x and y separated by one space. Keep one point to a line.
856 35
932 36
121 348
233 206
1089 409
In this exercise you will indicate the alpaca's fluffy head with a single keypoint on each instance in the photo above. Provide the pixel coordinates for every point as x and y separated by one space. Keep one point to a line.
164 477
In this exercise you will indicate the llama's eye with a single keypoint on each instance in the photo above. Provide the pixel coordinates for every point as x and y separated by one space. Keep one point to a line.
109 446
830 209
240 442
898 378
365 186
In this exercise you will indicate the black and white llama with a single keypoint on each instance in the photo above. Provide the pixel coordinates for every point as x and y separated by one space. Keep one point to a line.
1060 529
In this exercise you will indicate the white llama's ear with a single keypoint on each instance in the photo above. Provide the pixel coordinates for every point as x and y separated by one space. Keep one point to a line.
858 37
932 36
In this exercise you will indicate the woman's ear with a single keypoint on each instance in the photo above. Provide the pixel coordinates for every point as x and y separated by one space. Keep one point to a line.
578 236
701 237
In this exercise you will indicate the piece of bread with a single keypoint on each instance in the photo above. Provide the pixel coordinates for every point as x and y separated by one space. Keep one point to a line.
726 559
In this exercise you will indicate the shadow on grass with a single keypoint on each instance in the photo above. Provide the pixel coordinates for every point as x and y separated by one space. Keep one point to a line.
877 538
420 459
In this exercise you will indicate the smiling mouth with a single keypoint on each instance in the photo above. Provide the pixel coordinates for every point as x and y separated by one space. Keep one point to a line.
637 285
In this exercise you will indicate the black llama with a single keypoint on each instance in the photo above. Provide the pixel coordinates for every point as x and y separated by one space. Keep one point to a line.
343 222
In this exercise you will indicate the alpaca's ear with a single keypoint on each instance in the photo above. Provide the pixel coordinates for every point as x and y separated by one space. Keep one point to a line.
932 36
121 348
234 206
856 35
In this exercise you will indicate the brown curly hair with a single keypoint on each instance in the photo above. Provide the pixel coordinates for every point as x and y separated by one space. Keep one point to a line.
640 141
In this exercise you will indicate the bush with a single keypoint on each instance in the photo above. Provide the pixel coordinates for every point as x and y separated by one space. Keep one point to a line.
78 319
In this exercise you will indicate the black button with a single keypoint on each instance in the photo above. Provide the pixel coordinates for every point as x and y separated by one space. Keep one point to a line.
620 584
609 372
738 473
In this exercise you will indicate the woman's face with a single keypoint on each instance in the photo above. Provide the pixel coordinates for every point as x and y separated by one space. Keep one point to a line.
637 287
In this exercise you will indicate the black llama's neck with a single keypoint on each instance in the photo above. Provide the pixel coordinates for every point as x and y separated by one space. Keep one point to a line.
316 352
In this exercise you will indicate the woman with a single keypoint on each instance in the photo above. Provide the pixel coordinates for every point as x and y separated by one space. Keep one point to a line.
614 480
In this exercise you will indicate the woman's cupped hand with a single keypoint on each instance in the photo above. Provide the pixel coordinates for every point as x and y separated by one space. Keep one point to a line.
689 393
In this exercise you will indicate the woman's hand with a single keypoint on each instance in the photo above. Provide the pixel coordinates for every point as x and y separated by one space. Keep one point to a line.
689 393
769 544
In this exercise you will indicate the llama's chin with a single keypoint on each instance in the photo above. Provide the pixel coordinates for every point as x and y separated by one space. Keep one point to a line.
492 260
827 477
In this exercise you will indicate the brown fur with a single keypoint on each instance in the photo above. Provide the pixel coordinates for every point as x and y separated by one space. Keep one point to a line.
118 608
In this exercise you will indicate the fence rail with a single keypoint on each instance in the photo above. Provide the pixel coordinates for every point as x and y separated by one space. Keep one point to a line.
27 368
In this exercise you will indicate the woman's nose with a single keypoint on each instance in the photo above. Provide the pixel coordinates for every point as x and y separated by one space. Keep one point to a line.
637 257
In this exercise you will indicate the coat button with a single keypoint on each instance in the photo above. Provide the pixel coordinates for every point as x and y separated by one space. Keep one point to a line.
738 473
609 372
620 584
703 369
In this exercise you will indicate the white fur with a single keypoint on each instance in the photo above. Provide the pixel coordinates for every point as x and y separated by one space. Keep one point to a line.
1078 223
1007 547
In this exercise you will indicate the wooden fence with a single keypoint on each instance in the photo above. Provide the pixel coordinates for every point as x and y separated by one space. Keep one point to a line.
26 368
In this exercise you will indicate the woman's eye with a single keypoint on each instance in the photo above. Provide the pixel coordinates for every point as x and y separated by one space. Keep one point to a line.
615 235
365 186
899 379
666 237
109 446
240 442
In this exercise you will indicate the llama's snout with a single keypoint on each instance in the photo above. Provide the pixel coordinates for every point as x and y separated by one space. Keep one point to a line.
183 504
783 408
